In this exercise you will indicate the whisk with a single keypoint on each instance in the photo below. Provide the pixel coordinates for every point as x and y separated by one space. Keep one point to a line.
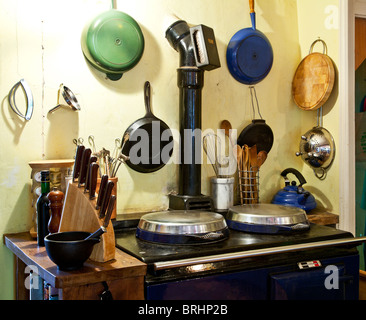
212 147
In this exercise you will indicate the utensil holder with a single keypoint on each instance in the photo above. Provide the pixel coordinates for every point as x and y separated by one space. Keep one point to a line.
222 192
248 181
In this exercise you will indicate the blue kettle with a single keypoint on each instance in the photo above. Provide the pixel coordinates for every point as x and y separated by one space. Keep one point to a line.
293 195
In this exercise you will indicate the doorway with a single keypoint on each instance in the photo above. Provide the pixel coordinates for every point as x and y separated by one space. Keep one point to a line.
360 129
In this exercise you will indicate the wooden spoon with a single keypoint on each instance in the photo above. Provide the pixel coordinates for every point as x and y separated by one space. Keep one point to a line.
238 154
226 125
253 170
261 157
246 165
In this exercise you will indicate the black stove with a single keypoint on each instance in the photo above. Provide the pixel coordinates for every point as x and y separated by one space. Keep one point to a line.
238 241
298 274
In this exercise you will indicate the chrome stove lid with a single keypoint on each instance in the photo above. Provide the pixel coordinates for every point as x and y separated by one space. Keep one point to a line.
267 218
182 227
182 222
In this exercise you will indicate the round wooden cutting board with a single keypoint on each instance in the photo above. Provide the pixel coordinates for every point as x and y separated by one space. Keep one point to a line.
313 81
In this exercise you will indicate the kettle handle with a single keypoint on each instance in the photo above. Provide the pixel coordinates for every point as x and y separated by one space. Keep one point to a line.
298 175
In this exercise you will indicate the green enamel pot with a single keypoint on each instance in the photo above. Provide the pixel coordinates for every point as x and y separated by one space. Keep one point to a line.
112 43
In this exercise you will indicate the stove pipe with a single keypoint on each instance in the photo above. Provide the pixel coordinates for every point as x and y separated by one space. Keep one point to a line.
197 52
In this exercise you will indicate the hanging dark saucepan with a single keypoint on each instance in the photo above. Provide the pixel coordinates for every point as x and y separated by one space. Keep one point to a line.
249 54
150 141
112 43
258 132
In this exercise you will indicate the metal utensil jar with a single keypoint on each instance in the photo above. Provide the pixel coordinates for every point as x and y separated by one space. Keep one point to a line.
222 192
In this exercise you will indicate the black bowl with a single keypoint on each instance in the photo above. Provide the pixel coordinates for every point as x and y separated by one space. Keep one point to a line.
69 250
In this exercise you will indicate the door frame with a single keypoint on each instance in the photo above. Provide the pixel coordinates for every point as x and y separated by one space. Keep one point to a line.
349 10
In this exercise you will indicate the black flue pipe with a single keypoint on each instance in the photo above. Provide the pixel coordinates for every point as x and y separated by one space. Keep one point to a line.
190 83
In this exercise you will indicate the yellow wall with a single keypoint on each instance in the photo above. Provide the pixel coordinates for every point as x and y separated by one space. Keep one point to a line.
319 19
40 41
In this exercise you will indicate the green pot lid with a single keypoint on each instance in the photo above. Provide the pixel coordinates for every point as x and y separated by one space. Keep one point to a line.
113 42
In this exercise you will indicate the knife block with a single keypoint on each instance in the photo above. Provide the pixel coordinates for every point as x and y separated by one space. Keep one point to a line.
79 214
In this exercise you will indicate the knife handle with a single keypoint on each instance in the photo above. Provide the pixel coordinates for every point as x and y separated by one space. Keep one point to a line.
106 198
84 165
96 234
79 153
102 186
108 216
92 159
93 179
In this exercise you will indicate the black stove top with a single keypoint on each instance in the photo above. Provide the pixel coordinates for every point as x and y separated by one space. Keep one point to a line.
238 241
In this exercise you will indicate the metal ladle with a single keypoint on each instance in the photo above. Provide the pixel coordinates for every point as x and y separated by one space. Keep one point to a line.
69 97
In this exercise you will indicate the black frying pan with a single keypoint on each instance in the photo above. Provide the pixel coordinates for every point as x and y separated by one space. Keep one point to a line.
258 132
146 145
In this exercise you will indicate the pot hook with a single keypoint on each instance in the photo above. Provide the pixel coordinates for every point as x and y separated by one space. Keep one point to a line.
254 93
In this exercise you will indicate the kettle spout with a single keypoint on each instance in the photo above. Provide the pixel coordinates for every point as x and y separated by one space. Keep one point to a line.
303 197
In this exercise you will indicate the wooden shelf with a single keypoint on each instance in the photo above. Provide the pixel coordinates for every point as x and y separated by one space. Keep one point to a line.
323 218
46 164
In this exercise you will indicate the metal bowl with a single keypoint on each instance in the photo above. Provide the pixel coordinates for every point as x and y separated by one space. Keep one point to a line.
69 250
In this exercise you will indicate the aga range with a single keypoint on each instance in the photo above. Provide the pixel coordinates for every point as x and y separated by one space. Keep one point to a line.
317 263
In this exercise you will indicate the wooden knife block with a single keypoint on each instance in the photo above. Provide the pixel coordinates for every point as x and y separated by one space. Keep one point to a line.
79 214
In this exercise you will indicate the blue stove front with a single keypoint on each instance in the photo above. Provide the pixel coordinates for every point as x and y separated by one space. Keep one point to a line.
334 278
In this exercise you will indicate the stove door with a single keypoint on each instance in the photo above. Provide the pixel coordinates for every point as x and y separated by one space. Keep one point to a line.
276 282
338 281
246 285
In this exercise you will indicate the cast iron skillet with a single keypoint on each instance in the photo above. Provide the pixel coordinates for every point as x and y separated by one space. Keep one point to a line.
257 133
148 138
249 54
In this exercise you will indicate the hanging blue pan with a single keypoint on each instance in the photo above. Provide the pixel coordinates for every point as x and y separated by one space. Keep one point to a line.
249 54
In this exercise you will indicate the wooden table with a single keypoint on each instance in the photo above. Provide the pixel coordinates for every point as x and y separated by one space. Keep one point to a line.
124 275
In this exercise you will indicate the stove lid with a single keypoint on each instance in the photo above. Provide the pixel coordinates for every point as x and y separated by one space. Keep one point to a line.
267 214
180 222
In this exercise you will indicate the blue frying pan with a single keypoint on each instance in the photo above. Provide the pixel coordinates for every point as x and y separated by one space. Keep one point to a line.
249 54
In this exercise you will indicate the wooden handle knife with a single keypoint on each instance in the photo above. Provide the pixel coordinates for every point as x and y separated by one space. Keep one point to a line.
93 179
107 218
102 187
84 166
92 159
106 198
108 215
79 153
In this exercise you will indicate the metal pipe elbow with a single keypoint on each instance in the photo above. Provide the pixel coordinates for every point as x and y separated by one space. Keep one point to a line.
179 37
